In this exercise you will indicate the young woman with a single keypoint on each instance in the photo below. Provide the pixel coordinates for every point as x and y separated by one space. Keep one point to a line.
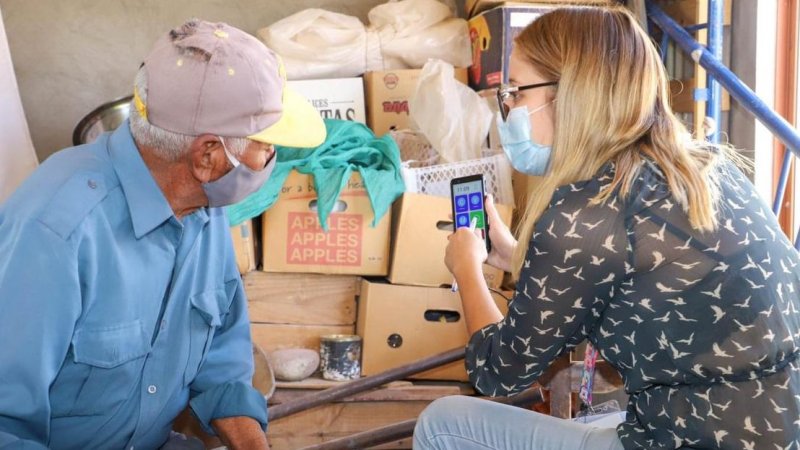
652 246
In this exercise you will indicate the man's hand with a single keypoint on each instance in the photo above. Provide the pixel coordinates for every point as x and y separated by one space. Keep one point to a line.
240 433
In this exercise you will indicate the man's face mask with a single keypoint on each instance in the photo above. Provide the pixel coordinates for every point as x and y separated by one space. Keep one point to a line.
237 184
525 155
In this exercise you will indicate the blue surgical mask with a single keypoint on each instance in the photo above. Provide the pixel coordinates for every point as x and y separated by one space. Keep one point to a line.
237 184
525 155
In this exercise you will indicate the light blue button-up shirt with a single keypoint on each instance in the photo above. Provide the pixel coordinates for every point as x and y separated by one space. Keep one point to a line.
113 313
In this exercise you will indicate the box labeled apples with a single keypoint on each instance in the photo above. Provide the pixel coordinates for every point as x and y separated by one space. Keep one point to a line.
294 241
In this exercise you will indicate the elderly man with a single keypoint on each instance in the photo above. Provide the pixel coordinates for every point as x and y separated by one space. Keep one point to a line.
119 293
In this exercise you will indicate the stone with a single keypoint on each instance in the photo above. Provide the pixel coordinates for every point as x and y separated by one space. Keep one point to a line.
293 364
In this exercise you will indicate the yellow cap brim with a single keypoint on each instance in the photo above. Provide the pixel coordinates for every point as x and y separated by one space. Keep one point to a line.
300 124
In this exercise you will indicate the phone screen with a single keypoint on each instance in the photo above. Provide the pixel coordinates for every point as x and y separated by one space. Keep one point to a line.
468 204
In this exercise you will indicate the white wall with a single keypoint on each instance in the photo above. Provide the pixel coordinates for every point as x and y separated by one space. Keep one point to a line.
17 157
72 55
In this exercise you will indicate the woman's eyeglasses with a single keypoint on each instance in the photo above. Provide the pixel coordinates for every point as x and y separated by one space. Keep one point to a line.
505 92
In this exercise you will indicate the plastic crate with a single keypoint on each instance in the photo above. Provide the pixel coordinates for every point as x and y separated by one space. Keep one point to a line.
422 173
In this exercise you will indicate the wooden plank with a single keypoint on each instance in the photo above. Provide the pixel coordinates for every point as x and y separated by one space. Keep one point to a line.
301 298
403 391
683 11
342 419
273 337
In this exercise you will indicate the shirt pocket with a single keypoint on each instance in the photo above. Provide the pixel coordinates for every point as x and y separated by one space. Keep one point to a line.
204 318
112 359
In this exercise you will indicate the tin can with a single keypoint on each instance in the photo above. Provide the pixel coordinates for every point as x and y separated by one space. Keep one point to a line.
340 356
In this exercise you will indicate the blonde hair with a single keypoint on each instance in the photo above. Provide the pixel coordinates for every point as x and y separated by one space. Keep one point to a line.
612 104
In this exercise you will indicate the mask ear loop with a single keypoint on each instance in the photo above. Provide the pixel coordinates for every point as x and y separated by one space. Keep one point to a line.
230 156
542 107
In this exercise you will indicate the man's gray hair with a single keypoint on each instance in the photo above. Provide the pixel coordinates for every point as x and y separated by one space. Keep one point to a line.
168 145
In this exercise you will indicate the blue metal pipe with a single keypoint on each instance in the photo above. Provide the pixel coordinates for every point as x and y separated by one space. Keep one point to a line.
782 181
738 90
715 29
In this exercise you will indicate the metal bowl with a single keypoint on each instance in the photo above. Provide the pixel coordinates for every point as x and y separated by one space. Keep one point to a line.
106 117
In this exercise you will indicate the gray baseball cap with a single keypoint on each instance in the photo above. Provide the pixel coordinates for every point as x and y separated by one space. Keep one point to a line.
213 78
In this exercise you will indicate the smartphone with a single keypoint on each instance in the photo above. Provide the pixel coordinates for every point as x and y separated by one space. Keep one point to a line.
467 197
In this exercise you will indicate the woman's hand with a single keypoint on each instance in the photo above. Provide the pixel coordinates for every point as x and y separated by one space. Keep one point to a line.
465 252
503 242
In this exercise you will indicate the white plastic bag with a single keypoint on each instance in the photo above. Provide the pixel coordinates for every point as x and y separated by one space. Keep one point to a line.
315 43
453 117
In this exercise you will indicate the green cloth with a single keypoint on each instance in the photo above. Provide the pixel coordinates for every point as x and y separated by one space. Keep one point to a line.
349 146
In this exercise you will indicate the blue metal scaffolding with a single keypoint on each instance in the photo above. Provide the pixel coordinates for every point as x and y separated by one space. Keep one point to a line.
720 76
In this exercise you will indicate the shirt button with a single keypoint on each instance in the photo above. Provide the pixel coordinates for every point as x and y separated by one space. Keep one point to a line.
152 389
92 184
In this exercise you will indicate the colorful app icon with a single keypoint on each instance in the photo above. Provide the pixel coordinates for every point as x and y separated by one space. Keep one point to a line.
475 201
478 216
462 204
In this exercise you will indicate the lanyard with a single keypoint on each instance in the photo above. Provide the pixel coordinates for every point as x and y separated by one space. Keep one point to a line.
587 375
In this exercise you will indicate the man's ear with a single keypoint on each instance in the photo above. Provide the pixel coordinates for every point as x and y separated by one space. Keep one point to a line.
206 156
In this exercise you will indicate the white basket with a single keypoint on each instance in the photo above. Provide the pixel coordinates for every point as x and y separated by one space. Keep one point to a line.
435 180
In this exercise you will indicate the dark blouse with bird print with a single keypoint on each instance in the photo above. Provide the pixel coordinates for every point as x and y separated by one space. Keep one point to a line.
704 328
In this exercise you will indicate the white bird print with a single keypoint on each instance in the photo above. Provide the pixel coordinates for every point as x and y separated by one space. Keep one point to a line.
645 378
723 407
764 273
768 312
525 291
631 338
685 246
718 352
614 323
563 269
695 415
713 249
577 274
698 369
718 313
545 314
676 301
637 319
664 288
734 205
596 261
680 421
650 356
525 341
784 386
641 220
725 371
543 332
686 266
748 426
672 373
550 229
503 363
688 282
616 349
753 285
759 390
658 259
543 295
508 388
770 428
745 303
578 304
592 226
560 292
667 205
543 350
683 318
770 336
747 220
778 409
715 293
660 235
743 328
569 319
676 354
687 341
609 278
748 445
721 267
571 232
719 435
740 347
750 263
558 334
728 226
540 281
609 244
605 333
571 217
664 318
570 253
645 303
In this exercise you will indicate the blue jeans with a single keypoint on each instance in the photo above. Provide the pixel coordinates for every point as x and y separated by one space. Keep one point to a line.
467 423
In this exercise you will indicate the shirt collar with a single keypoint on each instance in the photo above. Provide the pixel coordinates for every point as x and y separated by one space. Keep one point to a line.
147 205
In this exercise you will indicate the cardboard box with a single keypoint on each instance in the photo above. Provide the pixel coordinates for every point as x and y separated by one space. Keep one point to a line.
293 240
403 324
244 246
419 238
492 36
387 95
334 98
474 7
